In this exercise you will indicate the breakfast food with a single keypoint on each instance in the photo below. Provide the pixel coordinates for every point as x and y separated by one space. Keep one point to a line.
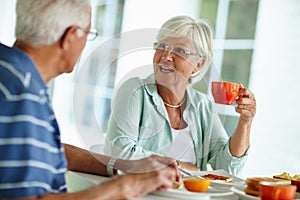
294 179
286 175
252 184
177 185
214 177
196 184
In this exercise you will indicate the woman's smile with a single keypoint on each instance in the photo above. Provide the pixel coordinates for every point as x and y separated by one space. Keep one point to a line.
165 69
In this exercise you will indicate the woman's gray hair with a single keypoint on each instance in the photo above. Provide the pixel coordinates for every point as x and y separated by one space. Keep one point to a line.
43 22
199 31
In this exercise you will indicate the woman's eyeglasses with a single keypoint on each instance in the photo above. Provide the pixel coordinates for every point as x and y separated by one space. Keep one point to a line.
177 51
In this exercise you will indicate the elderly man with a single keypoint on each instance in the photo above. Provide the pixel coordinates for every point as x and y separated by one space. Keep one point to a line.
50 36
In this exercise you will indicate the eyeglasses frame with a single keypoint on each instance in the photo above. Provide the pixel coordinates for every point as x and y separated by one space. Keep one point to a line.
92 34
171 48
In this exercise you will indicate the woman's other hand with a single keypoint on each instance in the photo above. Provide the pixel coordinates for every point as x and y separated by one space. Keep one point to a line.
246 105
240 139
148 164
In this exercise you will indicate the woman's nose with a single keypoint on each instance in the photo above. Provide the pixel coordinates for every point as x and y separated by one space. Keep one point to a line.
168 55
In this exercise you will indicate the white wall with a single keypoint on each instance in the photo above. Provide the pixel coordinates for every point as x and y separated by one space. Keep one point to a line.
7 21
152 14
276 84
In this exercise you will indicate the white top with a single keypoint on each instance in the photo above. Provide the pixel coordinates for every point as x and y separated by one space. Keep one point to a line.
183 147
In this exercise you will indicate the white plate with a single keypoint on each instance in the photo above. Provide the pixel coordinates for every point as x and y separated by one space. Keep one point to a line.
219 184
243 195
184 194
214 192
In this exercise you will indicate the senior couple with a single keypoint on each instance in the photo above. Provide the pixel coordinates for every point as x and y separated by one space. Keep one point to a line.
162 111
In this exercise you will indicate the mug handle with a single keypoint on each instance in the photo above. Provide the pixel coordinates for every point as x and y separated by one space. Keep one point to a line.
240 87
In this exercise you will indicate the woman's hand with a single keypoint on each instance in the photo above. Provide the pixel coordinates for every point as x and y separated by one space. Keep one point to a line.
240 139
246 105
148 164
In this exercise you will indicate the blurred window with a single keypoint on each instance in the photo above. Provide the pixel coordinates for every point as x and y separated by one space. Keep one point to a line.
234 24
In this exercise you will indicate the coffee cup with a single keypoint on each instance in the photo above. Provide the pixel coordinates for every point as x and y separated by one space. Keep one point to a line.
225 92
273 191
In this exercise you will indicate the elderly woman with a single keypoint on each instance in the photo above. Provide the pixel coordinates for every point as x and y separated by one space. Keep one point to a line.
164 115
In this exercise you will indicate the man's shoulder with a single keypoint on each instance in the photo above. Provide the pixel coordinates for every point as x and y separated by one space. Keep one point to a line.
13 62
9 54
18 73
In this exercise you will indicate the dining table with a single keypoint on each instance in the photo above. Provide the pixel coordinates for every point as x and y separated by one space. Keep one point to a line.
77 181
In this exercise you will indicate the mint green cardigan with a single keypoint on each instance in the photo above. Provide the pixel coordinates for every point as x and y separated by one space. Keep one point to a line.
139 126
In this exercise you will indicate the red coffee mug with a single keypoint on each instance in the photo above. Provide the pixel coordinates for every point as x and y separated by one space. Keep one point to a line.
225 92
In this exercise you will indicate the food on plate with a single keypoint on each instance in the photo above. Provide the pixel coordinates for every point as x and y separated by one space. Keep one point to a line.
284 175
294 179
252 184
196 184
214 177
177 185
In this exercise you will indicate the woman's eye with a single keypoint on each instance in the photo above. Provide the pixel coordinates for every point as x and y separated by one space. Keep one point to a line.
179 50
163 46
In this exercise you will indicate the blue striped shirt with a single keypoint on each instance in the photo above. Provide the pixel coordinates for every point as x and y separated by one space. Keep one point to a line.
32 160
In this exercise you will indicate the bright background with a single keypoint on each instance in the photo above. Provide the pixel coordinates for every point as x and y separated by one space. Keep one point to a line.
272 71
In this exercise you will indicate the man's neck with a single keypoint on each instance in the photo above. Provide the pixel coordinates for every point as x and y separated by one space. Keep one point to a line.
41 57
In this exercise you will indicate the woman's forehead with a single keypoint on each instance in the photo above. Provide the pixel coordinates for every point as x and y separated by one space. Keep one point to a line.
180 41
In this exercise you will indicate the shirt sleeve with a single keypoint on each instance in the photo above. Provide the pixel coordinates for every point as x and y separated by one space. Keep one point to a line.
124 125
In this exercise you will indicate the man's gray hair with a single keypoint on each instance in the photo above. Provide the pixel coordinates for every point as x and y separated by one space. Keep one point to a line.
43 22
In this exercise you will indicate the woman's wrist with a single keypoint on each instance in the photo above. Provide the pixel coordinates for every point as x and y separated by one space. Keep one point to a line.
187 166
121 166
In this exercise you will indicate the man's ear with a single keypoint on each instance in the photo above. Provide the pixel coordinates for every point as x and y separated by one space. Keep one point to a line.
68 37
